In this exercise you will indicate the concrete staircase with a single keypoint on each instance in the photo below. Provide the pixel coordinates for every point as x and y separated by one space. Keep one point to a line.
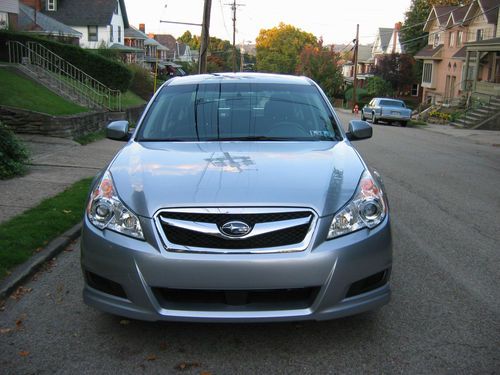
61 77
486 115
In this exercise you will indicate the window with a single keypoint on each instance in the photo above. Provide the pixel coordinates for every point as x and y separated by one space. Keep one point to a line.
414 89
51 5
119 34
451 40
460 38
4 20
479 34
436 39
427 73
92 33
111 34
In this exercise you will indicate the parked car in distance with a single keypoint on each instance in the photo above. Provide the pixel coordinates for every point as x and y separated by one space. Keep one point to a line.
385 109
239 197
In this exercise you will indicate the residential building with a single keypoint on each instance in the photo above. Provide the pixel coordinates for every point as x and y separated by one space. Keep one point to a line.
33 21
364 67
387 42
9 11
101 22
449 67
178 51
135 39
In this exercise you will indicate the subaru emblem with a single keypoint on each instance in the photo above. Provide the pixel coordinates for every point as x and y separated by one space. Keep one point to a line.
235 229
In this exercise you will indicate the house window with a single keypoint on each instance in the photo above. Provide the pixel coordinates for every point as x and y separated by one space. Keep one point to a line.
451 41
51 5
436 39
119 34
4 20
414 89
460 38
92 33
427 73
479 34
111 34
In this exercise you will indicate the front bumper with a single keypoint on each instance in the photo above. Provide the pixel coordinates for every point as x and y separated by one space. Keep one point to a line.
332 267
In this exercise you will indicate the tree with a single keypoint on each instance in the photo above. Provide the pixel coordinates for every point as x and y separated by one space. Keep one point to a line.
279 48
376 86
396 69
322 65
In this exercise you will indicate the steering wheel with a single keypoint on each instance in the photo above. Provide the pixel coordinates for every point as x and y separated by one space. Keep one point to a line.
287 129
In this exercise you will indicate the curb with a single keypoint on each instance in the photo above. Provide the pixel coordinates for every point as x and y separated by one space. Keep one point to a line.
27 269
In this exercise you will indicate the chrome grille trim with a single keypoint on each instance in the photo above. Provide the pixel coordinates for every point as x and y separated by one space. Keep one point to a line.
258 229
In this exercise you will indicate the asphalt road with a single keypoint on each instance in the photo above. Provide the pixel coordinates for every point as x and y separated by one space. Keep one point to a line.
444 316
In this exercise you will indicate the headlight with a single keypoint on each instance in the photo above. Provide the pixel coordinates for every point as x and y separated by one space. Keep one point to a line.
367 209
106 210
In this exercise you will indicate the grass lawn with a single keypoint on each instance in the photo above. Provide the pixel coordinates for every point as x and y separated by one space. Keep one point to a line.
21 236
18 91
129 99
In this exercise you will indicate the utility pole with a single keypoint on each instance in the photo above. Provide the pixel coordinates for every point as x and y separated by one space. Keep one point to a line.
355 82
205 37
234 6
242 56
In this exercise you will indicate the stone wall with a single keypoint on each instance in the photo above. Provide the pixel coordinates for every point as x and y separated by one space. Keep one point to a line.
29 122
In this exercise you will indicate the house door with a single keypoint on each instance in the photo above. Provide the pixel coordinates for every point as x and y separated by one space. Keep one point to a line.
452 87
447 89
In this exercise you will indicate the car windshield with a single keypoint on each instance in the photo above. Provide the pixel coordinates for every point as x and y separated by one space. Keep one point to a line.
392 103
239 111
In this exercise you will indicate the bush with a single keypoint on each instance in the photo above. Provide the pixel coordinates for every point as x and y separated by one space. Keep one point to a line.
13 154
377 87
113 74
142 82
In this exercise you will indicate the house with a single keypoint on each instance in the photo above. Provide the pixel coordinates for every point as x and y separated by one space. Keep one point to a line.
364 67
135 39
386 43
9 11
450 58
101 22
179 51
33 21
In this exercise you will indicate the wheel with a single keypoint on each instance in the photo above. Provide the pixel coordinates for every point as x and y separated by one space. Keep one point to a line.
374 118
403 123
287 129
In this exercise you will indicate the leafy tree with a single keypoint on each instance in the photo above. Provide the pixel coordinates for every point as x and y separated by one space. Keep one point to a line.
376 86
279 48
323 66
396 69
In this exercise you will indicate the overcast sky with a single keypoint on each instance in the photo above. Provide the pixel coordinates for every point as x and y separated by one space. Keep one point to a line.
334 20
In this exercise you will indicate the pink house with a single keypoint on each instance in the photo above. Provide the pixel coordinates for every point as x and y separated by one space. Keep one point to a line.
450 29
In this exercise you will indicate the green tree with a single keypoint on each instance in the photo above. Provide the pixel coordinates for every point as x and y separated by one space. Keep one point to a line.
279 48
376 86
323 66
396 69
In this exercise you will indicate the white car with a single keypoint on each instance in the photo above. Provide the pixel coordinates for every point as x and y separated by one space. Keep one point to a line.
384 109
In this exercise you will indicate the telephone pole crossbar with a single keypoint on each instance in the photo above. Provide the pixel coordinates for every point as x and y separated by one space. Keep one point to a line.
234 6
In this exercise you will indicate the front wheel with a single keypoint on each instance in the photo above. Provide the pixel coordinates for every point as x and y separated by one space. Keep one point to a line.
374 119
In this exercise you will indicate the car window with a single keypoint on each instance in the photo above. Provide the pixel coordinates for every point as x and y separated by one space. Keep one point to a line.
392 103
239 111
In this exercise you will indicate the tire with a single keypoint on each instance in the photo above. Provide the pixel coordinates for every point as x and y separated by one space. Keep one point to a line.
374 119
403 123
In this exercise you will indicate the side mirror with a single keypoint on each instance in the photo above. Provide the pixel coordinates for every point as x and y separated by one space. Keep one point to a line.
118 131
359 130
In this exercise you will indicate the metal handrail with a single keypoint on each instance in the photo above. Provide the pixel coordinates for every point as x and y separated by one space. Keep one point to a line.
64 74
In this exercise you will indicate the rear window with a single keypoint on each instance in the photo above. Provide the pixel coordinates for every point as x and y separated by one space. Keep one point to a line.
392 103
239 111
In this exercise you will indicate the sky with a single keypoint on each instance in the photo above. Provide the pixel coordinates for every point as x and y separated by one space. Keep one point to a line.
333 20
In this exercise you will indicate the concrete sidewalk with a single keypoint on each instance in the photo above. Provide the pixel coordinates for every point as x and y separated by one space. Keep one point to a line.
57 163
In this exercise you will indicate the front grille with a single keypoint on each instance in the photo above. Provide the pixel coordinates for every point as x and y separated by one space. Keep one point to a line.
188 238
227 300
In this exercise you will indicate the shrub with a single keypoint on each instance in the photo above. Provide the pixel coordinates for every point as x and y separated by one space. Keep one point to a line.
142 82
111 73
13 154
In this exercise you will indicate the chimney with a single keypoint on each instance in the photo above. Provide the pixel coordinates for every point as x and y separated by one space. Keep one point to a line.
397 28
142 27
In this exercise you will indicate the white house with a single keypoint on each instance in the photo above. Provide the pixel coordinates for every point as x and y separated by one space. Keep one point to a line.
101 22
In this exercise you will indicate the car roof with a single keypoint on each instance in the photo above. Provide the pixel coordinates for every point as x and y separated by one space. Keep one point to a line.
396 100
247 77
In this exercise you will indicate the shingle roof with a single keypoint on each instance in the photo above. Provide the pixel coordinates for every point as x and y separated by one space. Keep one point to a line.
44 23
428 52
443 13
490 13
131 32
459 14
364 53
460 53
167 40
88 12
385 36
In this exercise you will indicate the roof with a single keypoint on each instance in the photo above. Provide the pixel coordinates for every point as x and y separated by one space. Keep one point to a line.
428 52
458 14
125 49
133 33
443 13
489 7
484 42
364 53
88 12
147 40
460 54
167 40
385 34
244 77
44 23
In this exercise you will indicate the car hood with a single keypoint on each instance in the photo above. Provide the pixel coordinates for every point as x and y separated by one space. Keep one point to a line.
319 175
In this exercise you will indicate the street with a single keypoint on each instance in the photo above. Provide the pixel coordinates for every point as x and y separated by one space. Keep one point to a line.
444 316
